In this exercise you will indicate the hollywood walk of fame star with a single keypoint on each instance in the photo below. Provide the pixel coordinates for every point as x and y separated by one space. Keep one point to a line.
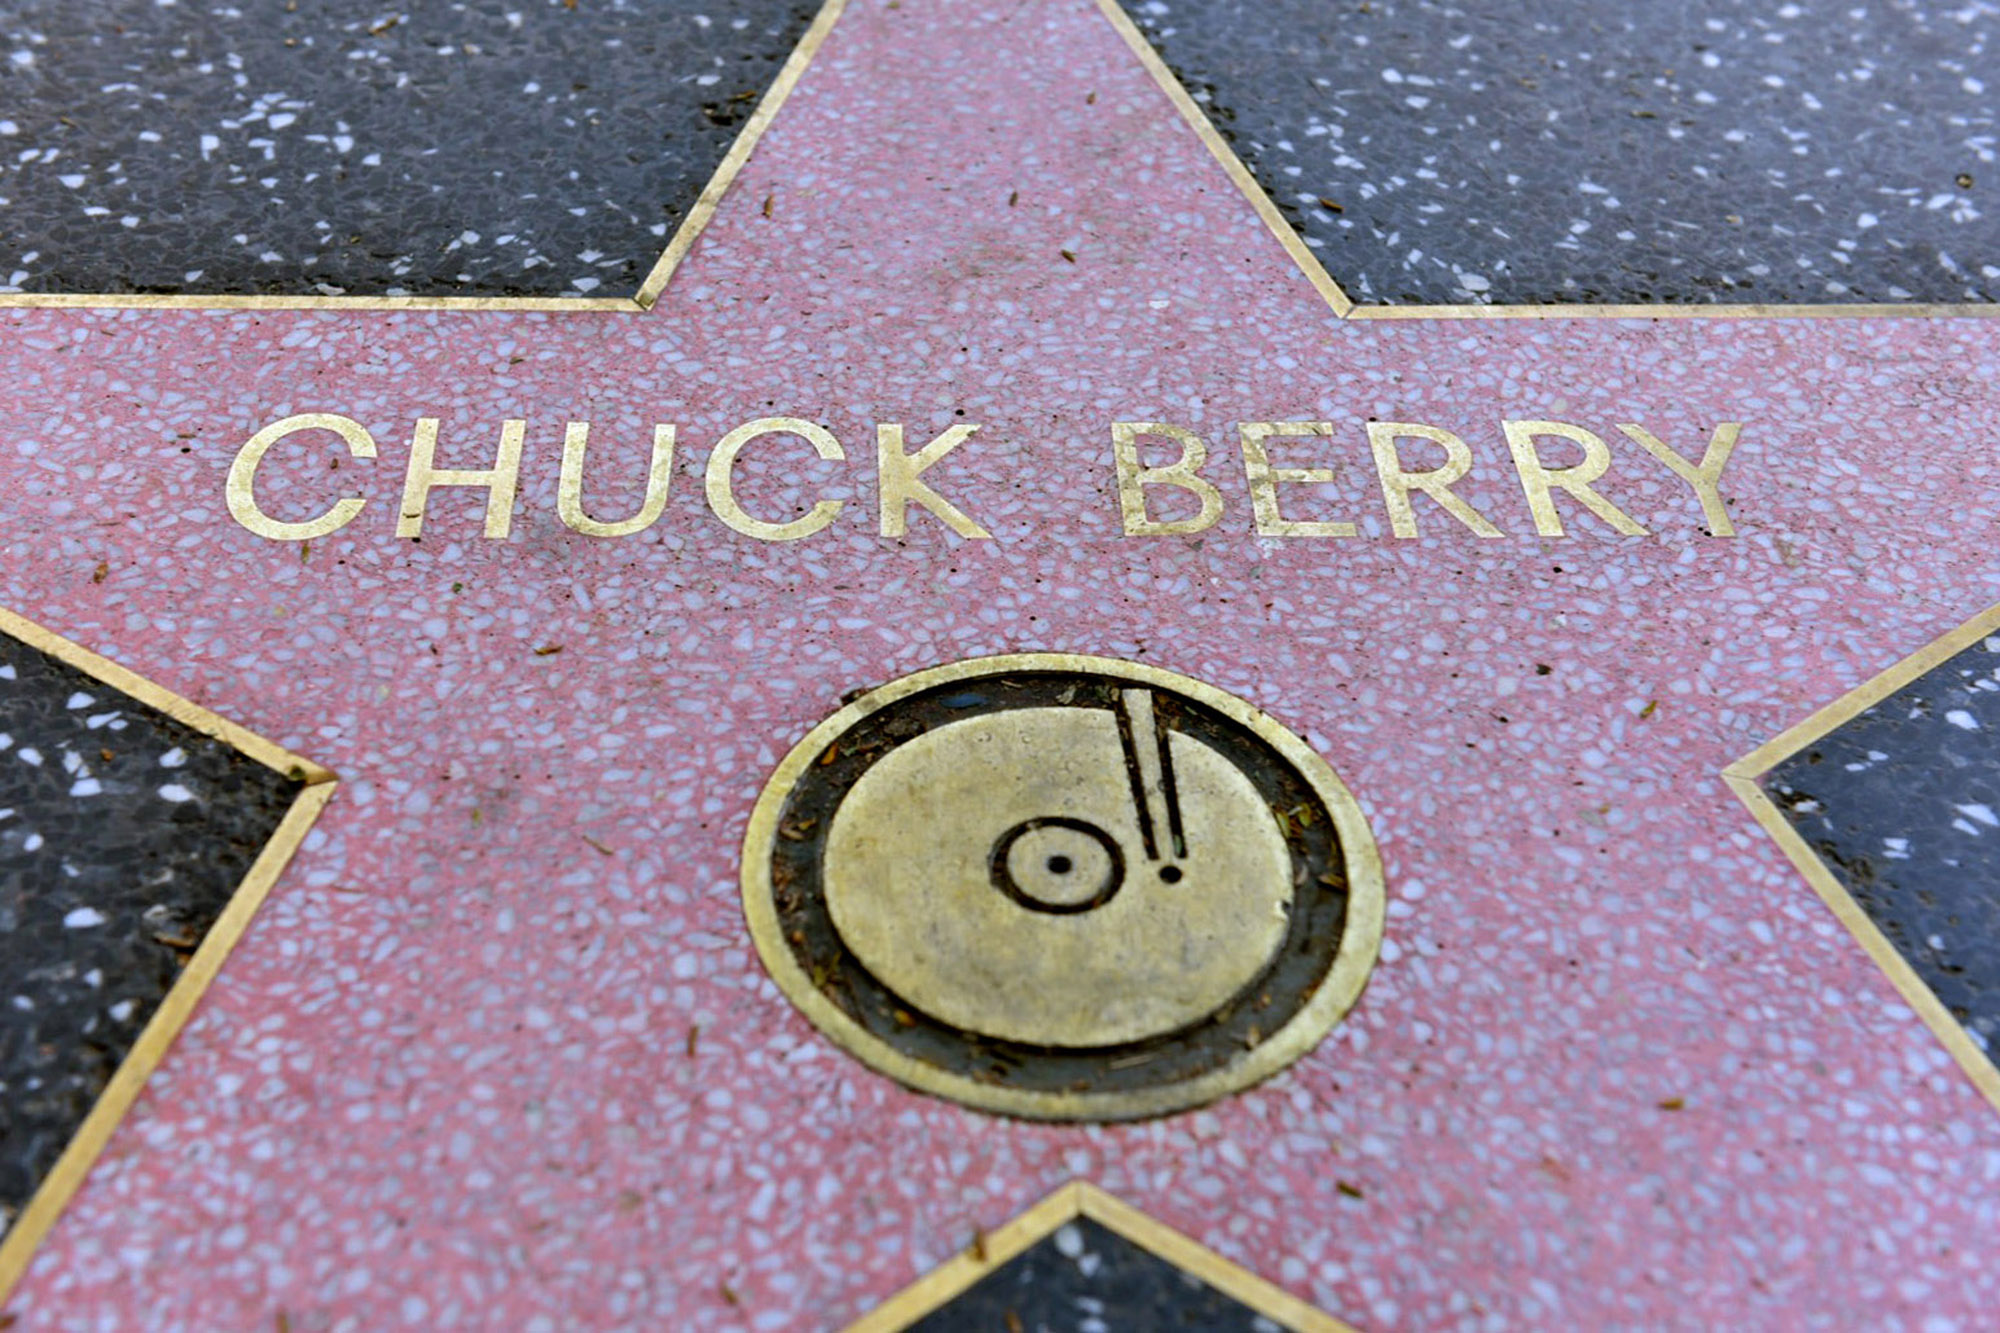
498 1043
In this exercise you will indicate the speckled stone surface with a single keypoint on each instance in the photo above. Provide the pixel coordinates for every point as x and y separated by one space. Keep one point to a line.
1903 805
123 834
498 148
1565 151
1085 1278
1618 1068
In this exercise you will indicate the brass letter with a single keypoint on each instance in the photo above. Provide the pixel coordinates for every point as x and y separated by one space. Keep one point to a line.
569 489
1536 479
722 467
1398 482
499 480
1184 472
240 491
896 478
1705 479
1264 479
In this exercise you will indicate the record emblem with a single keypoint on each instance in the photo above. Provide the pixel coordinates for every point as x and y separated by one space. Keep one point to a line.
1063 887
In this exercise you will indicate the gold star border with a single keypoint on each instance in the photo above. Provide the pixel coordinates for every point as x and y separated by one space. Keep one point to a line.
1743 775
992 1249
678 246
1345 307
781 88
18 1244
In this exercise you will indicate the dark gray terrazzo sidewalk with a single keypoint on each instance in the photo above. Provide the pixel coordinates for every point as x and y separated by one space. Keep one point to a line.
500 148
1571 151
123 834
1086 1278
1902 803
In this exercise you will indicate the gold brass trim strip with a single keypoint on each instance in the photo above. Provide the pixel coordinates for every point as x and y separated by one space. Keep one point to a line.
1082 1199
1866 695
173 705
678 246
18 1246
1344 306
1742 776
739 153
1914 310
1338 992
1197 119
170 301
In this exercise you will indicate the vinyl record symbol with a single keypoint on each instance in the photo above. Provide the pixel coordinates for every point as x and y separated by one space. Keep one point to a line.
1063 887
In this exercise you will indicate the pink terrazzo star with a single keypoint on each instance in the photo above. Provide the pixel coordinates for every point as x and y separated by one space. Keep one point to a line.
498 1052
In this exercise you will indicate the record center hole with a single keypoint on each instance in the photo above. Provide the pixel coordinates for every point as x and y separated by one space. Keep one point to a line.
1171 874
1069 866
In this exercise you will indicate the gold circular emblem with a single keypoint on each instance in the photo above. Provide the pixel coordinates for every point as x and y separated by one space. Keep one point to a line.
1063 887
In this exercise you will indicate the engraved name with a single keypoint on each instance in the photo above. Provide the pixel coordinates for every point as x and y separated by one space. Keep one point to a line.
1416 468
